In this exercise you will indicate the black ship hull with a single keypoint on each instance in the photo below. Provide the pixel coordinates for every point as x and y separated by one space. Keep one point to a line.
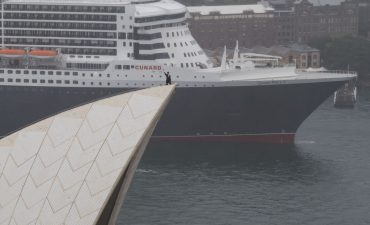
263 113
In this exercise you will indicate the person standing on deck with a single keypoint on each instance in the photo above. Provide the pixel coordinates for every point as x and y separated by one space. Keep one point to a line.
168 78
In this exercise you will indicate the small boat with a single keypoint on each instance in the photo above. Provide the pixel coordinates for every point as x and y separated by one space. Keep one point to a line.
43 53
346 97
12 53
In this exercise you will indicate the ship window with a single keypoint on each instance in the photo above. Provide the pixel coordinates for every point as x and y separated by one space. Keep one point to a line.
42 81
168 45
121 35
75 82
26 80
187 64
18 72
34 81
59 73
182 65
18 80
126 67
34 72
59 81
10 71
10 80
74 73
173 55
50 81
118 67
25 72
1 79
50 73
42 72
192 64
66 82
1 71
124 44
184 54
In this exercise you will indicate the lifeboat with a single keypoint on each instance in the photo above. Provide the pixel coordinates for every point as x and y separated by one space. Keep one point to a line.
43 53
12 53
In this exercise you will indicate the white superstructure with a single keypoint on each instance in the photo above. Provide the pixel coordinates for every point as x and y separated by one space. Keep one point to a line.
115 44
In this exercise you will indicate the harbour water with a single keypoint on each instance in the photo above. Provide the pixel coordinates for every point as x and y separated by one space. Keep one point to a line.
323 179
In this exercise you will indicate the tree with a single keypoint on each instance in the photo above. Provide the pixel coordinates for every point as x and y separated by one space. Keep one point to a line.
339 53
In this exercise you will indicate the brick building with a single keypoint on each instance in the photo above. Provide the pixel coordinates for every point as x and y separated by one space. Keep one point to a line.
364 18
215 26
277 22
325 20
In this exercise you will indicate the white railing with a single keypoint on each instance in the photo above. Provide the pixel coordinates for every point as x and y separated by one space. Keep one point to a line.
327 71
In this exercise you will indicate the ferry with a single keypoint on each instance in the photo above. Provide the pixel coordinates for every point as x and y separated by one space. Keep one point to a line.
58 54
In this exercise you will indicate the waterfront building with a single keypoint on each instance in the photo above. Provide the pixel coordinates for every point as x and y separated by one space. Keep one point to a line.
215 26
364 18
325 20
274 22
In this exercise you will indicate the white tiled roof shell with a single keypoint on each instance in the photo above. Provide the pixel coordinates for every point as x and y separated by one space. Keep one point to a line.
63 169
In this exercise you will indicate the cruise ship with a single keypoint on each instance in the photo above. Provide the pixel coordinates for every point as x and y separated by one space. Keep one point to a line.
58 54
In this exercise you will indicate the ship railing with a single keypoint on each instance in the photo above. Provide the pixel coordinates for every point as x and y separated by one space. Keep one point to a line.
327 71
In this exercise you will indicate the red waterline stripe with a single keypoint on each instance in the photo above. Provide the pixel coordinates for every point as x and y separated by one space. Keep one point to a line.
247 138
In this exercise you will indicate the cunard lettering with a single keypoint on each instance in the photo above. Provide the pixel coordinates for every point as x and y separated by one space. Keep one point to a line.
143 67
